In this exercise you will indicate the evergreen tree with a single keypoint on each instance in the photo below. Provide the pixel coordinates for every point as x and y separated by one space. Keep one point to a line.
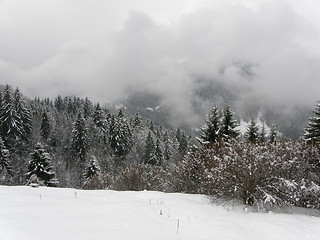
11 127
158 153
87 108
263 134
40 166
45 126
4 158
312 131
92 169
79 140
120 137
167 147
98 118
149 154
211 131
24 114
273 134
183 144
58 103
229 123
252 132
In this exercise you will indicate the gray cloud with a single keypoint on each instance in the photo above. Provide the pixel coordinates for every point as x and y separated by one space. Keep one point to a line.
262 52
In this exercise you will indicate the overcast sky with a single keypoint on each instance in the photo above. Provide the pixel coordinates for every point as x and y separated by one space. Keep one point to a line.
104 48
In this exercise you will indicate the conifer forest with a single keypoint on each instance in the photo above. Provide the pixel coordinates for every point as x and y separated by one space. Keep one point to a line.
74 142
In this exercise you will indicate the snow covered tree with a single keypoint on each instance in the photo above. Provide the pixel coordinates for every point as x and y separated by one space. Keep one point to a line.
11 127
167 152
211 131
229 123
45 126
40 166
252 132
5 164
79 141
183 144
312 131
23 113
158 153
263 134
120 137
149 153
92 175
273 134
87 108
98 118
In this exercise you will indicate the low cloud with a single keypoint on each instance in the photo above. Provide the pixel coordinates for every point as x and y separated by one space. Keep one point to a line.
263 54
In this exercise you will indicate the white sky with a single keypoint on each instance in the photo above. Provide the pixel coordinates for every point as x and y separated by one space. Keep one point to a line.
102 48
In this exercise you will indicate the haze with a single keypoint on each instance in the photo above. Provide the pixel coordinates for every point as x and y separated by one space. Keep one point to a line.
263 51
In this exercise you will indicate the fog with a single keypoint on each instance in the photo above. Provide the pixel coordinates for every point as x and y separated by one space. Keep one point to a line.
264 52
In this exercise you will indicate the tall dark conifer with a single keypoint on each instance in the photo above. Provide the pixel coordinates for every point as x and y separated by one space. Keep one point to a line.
312 131
211 131
229 123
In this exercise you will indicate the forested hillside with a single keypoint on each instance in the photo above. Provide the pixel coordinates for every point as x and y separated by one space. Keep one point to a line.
73 142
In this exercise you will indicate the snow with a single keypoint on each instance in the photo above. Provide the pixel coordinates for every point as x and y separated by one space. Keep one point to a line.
53 213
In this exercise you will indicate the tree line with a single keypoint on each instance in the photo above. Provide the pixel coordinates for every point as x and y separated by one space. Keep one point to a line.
72 142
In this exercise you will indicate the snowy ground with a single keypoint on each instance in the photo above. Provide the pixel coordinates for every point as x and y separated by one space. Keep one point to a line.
53 213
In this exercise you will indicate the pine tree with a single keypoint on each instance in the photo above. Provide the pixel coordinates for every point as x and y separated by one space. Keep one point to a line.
40 166
120 137
183 144
79 141
167 147
158 153
4 158
11 127
98 118
24 115
211 131
87 108
273 134
45 126
252 132
149 154
229 123
312 131
263 134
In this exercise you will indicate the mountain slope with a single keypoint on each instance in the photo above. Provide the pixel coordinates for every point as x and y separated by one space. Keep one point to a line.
52 213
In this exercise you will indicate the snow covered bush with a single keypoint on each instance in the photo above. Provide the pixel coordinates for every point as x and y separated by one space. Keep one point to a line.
264 173
138 177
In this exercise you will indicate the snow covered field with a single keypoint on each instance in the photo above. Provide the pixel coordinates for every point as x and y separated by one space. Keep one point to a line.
52 213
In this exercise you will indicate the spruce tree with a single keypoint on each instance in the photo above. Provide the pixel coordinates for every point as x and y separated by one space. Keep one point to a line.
158 153
98 118
5 164
24 115
211 131
183 144
229 124
120 136
40 166
45 126
79 141
273 134
87 108
252 132
263 134
312 131
11 127
167 152
149 154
